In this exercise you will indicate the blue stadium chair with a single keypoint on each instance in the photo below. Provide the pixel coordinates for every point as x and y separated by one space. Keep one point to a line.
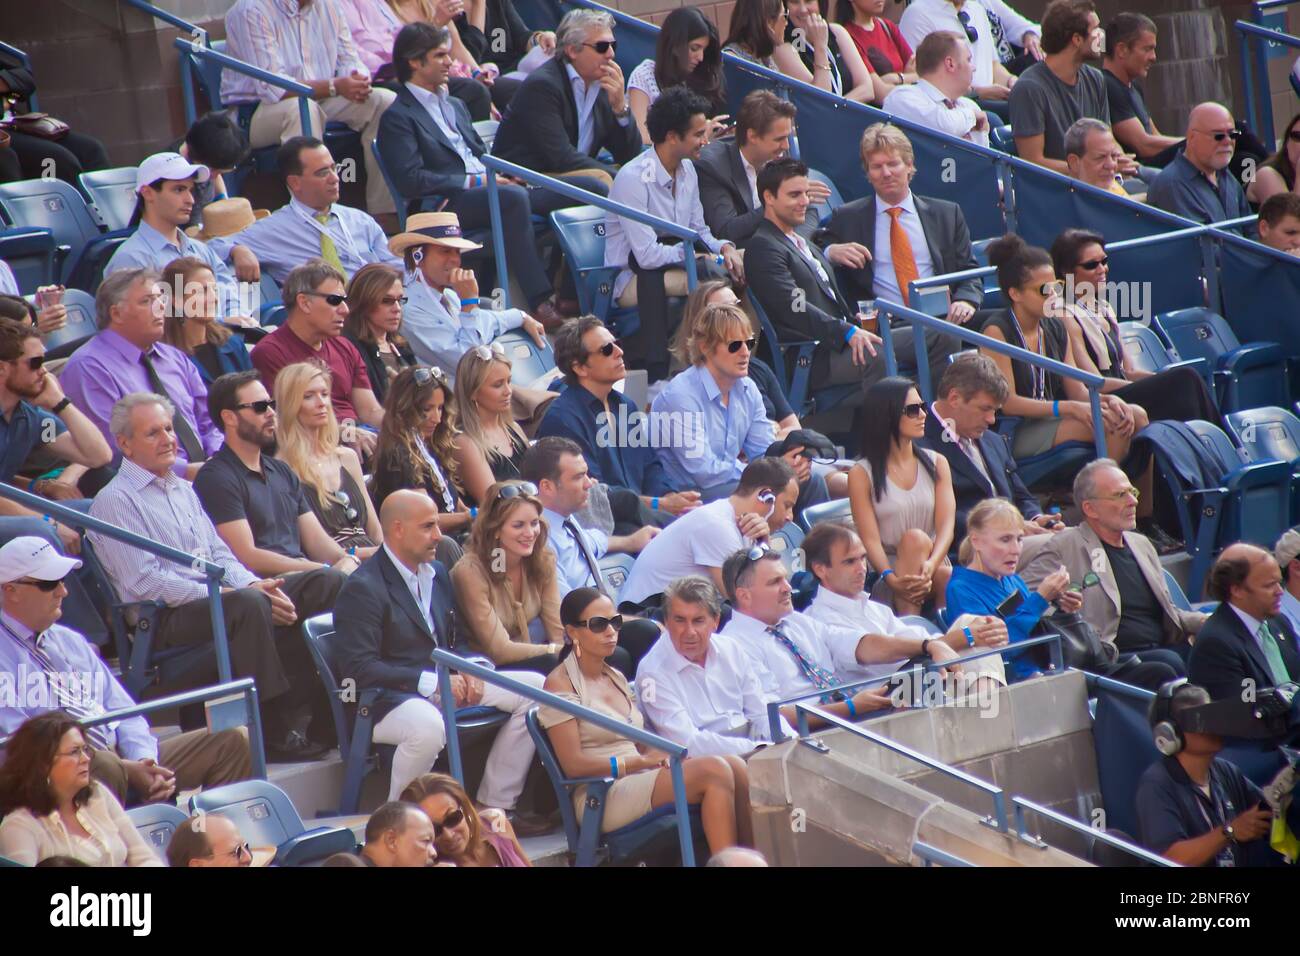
1243 376
655 831
77 226
792 363
1179 597
156 822
79 328
31 255
487 131
529 361
1145 350
837 510
1002 139
1052 465
786 543
580 231
615 568
980 248
112 191
1271 434
271 298
360 754
266 817
927 625
834 201
399 200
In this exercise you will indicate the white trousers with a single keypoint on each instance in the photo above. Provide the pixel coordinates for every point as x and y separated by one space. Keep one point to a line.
276 122
417 729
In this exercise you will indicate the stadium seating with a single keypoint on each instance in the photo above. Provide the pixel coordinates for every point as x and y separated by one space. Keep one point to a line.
792 363
1147 353
266 817
529 361
76 226
156 822
112 191
32 256
786 542
1270 434
1243 376
838 510
834 201
79 327
1055 465
615 568
1002 139
580 231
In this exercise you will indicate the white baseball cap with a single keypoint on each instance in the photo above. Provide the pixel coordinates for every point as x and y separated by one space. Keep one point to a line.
1287 548
168 166
33 557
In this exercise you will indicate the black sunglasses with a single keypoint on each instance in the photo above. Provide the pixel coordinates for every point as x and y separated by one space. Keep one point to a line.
1220 135
597 625
603 46
46 586
517 489
453 819
1095 263
424 374
260 407
971 33
607 349
734 347
33 363
914 409
333 298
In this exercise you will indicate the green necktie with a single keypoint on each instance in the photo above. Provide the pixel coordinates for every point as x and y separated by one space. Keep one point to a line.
1273 654
328 251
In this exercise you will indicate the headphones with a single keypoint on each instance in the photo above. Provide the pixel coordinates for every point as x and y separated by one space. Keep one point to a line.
1165 732
418 255
767 497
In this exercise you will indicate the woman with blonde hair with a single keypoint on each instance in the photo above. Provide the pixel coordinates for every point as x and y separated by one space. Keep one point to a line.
375 300
490 445
463 835
190 321
507 592
308 436
989 556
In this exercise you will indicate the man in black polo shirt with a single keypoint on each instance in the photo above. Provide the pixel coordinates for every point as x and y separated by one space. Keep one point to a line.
1193 807
257 504
1130 51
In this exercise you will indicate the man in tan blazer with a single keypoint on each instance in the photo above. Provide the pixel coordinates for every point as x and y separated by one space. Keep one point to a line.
1124 592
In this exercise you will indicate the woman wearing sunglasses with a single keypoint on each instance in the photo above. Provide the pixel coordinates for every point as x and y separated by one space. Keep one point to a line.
1277 174
642 780
1080 260
902 500
463 835
375 300
1052 409
308 437
490 445
51 806
190 322
507 593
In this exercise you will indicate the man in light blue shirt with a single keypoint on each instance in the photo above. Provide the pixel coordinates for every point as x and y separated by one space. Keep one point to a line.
313 224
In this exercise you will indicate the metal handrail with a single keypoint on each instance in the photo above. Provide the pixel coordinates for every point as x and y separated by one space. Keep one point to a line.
998 820
495 164
887 309
1118 687
932 855
1021 804
446 662
193 29
244 686
1251 36
78 519
202 52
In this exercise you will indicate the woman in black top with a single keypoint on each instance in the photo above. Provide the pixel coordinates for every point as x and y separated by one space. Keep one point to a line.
375 300
1053 409
826 52
490 444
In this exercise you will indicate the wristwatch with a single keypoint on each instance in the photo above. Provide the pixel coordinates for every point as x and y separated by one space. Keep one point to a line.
333 89
925 646
61 405
1229 833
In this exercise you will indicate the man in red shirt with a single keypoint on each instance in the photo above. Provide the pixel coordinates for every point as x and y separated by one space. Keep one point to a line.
315 296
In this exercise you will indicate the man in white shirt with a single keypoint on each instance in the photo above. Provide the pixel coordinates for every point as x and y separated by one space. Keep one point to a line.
700 541
945 66
695 686
836 557
992 82
1285 552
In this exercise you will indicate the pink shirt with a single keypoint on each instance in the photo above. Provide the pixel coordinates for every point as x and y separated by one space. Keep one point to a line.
374 26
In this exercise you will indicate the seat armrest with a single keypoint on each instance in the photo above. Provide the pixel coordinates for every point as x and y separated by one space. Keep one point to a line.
315 845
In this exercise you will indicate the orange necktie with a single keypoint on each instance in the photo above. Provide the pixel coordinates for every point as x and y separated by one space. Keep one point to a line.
900 249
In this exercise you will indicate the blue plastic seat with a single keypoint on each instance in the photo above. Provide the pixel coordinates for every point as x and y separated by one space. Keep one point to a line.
266 817
1148 353
75 225
77 330
786 542
656 830
792 363
487 131
1271 433
31 255
529 361
1241 376
156 822
614 568
399 201
580 231
112 191
1002 139
360 753
1055 464
834 201
837 510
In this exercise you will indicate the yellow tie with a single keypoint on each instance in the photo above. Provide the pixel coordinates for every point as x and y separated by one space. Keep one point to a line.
328 251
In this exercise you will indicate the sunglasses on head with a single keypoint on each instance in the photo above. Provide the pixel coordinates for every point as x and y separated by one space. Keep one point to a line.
1095 263
971 33
260 407
758 552
734 347
487 353
46 586
603 46
33 363
607 349
424 374
333 298
914 409
598 625
517 489
449 822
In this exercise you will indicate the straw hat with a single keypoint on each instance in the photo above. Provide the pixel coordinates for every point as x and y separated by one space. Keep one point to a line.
431 229
225 217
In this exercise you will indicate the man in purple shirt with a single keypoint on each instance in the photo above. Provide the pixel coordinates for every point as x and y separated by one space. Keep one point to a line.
128 356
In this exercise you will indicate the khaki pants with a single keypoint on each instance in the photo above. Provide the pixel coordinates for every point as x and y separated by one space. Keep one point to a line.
276 122
674 285
198 758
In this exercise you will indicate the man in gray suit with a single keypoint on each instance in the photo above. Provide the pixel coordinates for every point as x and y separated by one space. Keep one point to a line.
1125 596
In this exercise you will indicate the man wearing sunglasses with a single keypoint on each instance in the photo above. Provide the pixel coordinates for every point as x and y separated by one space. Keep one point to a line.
1198 184
572 106
210 840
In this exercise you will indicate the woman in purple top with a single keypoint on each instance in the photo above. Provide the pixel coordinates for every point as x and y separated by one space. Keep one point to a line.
461 834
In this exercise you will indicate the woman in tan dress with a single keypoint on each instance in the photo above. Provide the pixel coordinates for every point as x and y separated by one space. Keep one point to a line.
643 779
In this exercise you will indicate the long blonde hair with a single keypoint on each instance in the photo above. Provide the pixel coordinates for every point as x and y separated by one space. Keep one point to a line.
302 449
427 9
986 514
471 373
484 537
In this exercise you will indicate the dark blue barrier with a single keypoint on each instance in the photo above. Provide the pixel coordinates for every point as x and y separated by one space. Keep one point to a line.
1121 736
1260 288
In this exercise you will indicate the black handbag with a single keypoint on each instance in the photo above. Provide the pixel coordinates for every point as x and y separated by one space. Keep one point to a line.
1081 645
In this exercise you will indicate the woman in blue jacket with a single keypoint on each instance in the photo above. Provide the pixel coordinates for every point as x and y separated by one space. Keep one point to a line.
191 321
989 556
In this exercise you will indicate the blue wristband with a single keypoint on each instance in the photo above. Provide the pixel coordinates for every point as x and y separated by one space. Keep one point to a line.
613 767
886 573
465 302
853 711
849 333
970 638
1056 408
473 512
654 504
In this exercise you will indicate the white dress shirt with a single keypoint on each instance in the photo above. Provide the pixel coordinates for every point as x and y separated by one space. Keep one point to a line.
440 110
923 17
420 584
716 708
777 670
864 616
696 541
884 282
438 331
925 104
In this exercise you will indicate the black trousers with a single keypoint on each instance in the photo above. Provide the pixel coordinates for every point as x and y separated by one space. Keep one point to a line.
472 207
66 158
1176 393
476 97
1137 670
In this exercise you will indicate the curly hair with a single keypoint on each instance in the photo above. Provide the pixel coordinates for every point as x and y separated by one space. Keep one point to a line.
29 758
399 433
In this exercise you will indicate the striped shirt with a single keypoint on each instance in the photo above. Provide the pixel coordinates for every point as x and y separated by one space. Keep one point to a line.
168 511
279 37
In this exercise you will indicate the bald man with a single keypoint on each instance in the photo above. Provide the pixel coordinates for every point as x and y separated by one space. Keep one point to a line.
1198 185
396 607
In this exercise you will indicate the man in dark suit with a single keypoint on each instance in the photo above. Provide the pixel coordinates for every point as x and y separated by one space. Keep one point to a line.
924 238
432 152
387 636
793 282
1247 644
572 107
960 427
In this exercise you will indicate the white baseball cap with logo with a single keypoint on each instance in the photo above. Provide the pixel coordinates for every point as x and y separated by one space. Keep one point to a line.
168 166
32 557
1287 548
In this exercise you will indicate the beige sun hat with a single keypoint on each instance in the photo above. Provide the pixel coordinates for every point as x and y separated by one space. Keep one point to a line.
431 229
225 217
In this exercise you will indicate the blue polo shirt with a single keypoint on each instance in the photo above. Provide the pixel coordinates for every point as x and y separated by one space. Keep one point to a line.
1171 808
23 431
1185 191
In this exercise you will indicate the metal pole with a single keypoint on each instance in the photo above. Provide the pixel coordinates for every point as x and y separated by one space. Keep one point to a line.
219 639
256 742
449 719
922 364
1098 427
498 238
683 811
1210 269
886 339
1246 75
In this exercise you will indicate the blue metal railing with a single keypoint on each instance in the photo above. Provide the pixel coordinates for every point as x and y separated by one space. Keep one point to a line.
1021 805
1254 69
193 29
244 686
447 662
192 48
569 191
213 572
932 855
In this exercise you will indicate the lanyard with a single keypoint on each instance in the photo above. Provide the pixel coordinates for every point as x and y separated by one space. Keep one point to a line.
1037 374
